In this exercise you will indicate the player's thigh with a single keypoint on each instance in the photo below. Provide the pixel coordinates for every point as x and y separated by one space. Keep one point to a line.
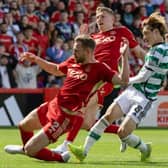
31 121
36 143
114 112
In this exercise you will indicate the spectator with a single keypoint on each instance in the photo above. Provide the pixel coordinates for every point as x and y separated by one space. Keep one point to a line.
39 2
78 6
14 8
7 65
53 81
33 19
127 15
116 5
24 22
79 20
117 20
19 46
1 12
57 14
42 37
51 29
149 7
67 49
55 53
26 74
31 42
65 29
141 12
52 8
12 26
5 39
41 12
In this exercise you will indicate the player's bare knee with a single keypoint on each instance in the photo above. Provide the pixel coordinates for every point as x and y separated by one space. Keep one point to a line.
121 132
22 125
108 117
87 125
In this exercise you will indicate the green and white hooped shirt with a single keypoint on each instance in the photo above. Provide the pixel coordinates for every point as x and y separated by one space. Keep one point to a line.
156 61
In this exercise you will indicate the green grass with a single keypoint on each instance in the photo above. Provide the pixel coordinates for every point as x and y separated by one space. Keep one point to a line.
104 154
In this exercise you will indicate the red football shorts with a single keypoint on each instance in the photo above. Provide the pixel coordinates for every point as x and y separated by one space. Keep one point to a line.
57 124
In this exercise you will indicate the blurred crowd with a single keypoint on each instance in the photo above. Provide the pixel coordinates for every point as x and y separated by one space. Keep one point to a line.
47 28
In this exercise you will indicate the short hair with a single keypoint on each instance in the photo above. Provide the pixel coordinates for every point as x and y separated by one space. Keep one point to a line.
106 9
156 21
86 40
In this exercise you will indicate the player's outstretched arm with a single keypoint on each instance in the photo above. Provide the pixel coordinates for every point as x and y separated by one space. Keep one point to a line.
123 77
46 65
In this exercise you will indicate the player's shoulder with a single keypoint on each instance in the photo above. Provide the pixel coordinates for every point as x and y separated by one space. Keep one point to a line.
160 47
104 65
121 28
71 60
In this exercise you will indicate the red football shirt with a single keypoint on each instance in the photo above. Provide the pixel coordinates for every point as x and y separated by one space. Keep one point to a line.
81 82
108 45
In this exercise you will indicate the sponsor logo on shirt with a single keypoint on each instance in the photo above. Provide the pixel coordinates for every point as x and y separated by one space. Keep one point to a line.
77 74
105 39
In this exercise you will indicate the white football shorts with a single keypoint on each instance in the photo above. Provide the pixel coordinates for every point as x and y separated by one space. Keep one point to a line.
133 103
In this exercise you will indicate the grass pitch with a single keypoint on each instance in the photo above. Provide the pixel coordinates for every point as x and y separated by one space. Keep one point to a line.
104 154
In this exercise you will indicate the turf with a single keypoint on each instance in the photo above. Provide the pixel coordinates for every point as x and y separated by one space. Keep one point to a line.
104 154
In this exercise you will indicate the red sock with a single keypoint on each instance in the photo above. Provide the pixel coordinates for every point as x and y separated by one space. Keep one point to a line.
112 129
25 135
75 129
48 155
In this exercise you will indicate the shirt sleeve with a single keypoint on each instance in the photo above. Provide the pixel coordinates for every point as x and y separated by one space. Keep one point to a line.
107 73
63 67
130 37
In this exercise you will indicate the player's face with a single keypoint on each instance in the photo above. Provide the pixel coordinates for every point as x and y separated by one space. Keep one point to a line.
148 36
104 20
79 52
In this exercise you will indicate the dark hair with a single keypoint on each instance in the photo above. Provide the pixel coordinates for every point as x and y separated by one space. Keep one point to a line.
87 41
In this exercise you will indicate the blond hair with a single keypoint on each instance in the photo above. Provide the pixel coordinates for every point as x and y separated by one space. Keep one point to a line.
156 21
106 9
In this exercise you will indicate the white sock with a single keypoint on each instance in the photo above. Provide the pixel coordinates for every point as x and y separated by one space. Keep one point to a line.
66 142
134 142
95 133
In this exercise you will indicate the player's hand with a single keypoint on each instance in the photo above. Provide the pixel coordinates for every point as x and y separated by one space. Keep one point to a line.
84 29
27 56
124 47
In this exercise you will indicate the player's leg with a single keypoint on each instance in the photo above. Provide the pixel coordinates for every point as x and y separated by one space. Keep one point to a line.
33 121
91 115
26 127
35 147
71 135
114 112
128 125
86 123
